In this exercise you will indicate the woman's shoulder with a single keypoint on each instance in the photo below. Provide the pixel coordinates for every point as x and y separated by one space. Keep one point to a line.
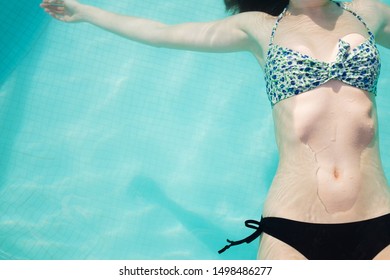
372 8
363 4
258 21
370 11
255 22
256 16
258 25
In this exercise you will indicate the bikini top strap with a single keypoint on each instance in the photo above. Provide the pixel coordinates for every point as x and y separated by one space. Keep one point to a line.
345 7
342 5
282 14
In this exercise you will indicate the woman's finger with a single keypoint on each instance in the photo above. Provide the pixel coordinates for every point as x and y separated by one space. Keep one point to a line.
52 3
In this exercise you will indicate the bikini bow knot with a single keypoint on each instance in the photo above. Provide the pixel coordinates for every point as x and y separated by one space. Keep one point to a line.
253 224
336 69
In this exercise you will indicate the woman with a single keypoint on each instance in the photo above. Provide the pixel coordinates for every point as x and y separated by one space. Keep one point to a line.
329 198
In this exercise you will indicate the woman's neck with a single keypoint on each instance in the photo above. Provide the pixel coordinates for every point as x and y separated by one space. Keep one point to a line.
300 6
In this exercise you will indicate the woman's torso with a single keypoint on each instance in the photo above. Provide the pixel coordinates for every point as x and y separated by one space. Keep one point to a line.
329 166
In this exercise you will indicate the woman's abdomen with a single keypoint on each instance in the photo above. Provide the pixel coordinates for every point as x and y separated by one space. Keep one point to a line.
322 136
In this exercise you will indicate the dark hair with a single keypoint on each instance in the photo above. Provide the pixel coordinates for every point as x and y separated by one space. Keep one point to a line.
272 7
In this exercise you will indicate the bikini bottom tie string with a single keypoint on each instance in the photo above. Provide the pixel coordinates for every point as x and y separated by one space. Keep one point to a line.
256 225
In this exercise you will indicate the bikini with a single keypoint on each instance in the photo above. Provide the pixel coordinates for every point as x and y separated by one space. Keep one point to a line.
289 73
361 240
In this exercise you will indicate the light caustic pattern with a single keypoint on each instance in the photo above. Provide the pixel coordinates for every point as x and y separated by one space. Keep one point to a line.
113 150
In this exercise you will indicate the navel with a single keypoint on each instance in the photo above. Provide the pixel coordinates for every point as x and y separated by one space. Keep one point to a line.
336 173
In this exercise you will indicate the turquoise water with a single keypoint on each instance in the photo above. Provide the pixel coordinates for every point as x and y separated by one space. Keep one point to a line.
110 149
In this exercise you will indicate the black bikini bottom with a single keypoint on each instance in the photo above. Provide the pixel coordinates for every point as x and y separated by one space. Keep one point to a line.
361 240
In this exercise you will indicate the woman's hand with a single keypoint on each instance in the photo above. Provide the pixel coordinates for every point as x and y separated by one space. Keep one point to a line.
63 10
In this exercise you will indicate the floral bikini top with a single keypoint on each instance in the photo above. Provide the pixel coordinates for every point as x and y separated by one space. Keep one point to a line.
289 72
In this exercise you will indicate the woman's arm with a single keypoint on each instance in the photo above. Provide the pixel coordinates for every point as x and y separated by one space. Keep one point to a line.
226 35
